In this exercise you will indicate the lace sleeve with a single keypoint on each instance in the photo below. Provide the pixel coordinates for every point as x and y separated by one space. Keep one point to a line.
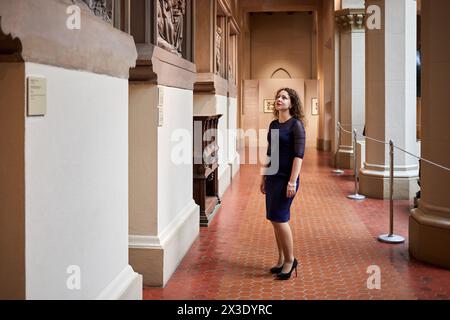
269 141
299 139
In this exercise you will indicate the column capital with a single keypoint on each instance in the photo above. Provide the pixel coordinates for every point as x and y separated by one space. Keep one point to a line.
350 19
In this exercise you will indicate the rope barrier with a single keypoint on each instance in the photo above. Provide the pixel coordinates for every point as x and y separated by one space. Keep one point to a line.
375 140
396 147
390 237
340 126
422 159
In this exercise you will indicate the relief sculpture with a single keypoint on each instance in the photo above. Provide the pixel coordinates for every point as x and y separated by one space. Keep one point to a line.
101 8
178 17
170 25
218 49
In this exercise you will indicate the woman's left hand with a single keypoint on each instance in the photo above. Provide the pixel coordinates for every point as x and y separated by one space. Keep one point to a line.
290 192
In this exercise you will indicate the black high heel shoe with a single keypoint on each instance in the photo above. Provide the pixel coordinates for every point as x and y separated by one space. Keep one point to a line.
276 270
285 276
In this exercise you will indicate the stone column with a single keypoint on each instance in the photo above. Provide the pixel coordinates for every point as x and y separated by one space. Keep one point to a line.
391 100
351 79
429 225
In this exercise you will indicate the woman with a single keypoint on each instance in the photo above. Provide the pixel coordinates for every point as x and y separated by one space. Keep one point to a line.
280 178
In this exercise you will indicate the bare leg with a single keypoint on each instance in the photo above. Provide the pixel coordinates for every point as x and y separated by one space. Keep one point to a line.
283 230
280 247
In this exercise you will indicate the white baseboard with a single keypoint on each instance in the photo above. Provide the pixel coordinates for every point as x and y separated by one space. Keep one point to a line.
126 286
157 257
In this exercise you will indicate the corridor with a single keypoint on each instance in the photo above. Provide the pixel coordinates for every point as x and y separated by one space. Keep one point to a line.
334 238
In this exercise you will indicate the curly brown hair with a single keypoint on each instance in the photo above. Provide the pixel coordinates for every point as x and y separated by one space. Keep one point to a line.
296 109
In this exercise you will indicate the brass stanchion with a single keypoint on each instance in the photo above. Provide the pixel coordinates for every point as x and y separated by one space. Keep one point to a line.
391 237
355 196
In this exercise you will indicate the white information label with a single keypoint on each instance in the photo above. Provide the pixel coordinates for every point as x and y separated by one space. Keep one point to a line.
37 96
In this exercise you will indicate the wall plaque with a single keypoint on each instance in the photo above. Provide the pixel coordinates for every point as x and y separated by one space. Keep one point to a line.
37 96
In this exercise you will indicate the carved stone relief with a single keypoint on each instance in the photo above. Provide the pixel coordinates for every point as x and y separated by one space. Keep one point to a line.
100 8
179 10
218 49
170 22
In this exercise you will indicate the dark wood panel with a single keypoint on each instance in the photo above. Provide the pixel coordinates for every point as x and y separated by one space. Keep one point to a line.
205 169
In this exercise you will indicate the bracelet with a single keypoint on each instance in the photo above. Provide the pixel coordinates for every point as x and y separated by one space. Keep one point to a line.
292 184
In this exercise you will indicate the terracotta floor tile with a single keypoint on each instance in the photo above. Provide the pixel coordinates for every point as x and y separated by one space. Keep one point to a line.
335 242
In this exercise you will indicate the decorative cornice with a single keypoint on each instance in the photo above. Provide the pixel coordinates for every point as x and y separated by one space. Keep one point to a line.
350 19
36 31
211 83
225 10
158 66
225 7
234 26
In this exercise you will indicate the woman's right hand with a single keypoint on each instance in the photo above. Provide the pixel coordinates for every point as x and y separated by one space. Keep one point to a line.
262 186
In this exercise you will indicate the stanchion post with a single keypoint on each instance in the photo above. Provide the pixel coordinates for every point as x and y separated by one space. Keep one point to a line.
391 237
336 164
355 196
391 188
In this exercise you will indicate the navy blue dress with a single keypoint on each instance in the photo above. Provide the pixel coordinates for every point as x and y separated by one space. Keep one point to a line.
288 143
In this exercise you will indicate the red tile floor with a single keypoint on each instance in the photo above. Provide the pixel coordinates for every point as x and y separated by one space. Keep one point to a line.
335 242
